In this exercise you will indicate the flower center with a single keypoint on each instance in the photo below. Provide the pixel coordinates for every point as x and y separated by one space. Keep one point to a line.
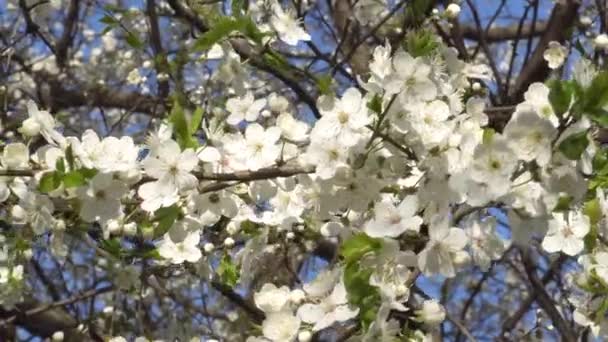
100 194
214 198
343 117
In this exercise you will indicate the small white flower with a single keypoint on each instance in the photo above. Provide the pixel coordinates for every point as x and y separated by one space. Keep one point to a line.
333 308
100 199
244 108
156 195
392 221
531 136
272 299
345 121
486 245
555 54
180 245
15 156
438 257
37 210
566 235
281 326
432 313
287 26
601 42
452 11
171 166
261 149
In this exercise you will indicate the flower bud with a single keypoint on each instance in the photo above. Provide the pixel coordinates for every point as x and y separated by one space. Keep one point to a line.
304 336
229 242
57 336
30 127
130 229
452 11
601 41
208 247
297 296
432 313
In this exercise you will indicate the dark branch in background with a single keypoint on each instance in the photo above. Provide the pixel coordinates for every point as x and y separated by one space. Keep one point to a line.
563 17
510 323
67 37
256 314
157 47
45 319
499 34
545 301
32 28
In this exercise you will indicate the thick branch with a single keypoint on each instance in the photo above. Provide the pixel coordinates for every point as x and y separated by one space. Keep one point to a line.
563 17
63 44
545 301
498 33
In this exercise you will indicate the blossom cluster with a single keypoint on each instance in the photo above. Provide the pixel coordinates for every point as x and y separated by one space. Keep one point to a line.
401 174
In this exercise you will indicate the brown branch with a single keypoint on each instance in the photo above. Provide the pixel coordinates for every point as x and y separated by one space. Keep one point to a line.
499 34
256 314
157 47
545 301
63 44
563 17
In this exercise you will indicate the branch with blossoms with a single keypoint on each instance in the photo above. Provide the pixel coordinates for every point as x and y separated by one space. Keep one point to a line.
301 171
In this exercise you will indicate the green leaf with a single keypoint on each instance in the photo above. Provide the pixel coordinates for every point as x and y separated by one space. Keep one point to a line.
195 122
599 115
74 179
359 245
596 95
165 217
561 94
112 246
488 135
69 156
88 173
60 165
108 20
49 182
181 127
563 203
324 83
220 30
375 104
223 27
228 272
421 43
593 211
574 145
238 7
360 293
134 41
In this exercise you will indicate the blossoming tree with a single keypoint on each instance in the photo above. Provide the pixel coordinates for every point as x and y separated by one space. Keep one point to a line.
306 170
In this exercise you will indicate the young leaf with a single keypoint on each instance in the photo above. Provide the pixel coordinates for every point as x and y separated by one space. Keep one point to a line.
49 182
574 145
195 122
134 41
74 179
221 29
359 245
181 128
375 104
560 96
228 272
165 217
324 83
